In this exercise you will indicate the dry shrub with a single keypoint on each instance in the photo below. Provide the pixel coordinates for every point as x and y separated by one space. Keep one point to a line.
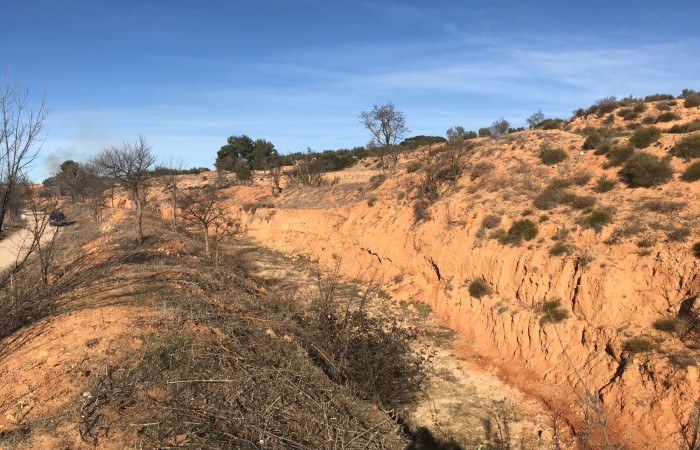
376 180
644 137
647 170
688 147
553 312
605 184
692 172
520 230
679 234
480 169
661 206
598 218
218 372
688 127
421 211
559 248
639 344
491 221
242 390
551 156
479 288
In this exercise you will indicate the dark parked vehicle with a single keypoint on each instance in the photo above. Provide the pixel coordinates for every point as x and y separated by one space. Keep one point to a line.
58 219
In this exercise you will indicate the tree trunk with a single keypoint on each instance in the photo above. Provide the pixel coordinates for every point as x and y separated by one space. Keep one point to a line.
174 205
206 240
139 220
5 202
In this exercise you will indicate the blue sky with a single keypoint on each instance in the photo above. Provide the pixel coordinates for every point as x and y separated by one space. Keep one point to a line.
188 74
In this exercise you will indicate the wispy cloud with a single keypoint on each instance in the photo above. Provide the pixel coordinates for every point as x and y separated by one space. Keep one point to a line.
311 96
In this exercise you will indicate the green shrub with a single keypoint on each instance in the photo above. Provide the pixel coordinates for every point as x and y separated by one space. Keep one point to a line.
550 124
479 288
484 132
491 221
639 345
594 140
648 120
413 167
619 154
668 325
605 184
551 156
664 105
598 218
692 100
647 170
692 172
688 127
688 147
644 137
499 234
658 97
521 230
553 312
627 114
639 107
603 148
559 248
668 116
605 107
549 198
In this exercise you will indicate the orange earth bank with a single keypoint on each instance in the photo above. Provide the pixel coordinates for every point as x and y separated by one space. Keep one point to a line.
614 282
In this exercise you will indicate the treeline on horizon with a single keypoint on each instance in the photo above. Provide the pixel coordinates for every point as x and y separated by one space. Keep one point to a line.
242 155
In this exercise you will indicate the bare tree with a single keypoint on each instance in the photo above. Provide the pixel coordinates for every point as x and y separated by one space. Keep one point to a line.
387 126
20 140
41 205
499 127
171 184
203 207
307 171
224 227
130 165
94 190
535 119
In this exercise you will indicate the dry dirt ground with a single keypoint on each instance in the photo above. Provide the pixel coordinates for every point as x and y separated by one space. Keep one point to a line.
11 246
461 401
48 369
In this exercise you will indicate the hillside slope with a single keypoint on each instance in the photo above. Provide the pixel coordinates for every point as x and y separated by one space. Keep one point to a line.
618 259
154 346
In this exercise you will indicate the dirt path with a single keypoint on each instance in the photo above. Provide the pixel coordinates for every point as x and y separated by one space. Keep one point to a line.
461 400
16 244
13 245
